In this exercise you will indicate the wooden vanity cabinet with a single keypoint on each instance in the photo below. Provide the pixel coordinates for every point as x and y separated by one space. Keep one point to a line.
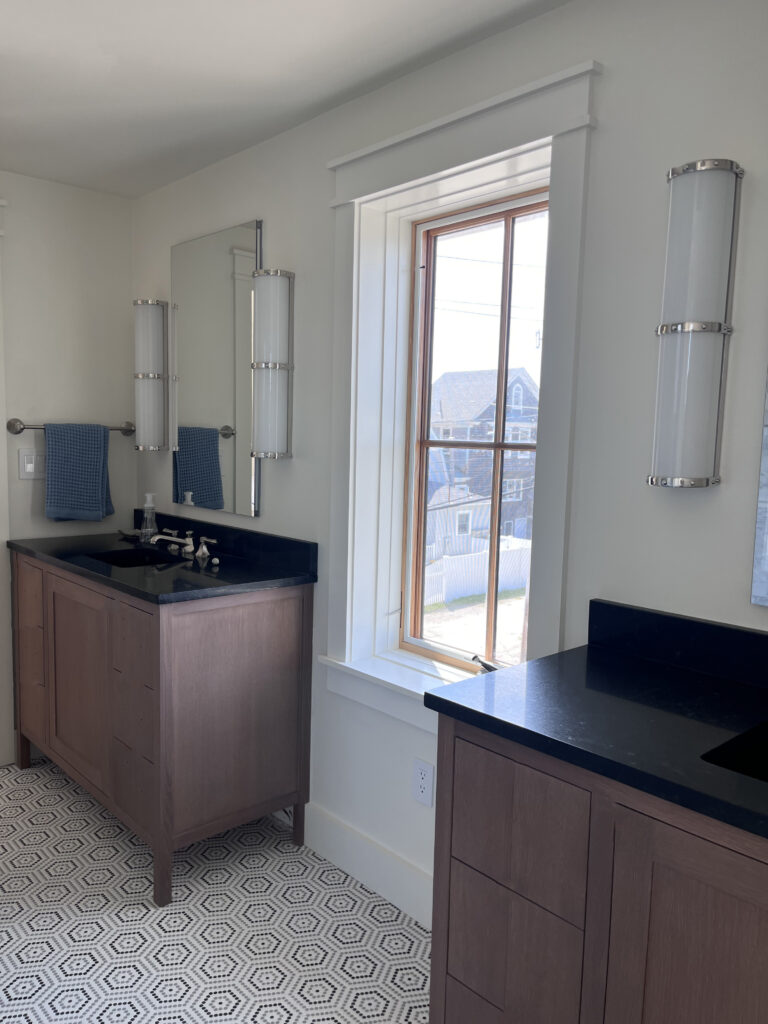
184 719
563 897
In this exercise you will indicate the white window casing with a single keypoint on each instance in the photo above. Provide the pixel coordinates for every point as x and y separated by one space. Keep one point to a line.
532 137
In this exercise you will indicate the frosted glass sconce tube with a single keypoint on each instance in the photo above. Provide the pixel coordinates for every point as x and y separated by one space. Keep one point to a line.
154 377
272 364
695 328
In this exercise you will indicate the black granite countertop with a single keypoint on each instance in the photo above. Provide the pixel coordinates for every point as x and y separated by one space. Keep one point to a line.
247 561
640 703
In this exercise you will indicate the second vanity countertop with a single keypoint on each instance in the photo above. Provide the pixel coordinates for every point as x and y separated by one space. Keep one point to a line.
248 561
640 704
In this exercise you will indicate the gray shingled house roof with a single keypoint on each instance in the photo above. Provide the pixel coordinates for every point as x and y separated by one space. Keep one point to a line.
460 396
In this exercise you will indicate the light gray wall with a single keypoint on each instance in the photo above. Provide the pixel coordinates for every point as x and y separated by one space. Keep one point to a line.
68 334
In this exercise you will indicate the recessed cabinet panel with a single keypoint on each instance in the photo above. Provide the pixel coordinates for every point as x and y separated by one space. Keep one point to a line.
526 829
30 648
689 930
77 664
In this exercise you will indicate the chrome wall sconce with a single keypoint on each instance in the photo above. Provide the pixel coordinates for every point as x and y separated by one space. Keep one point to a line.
696 323
272 366
155 380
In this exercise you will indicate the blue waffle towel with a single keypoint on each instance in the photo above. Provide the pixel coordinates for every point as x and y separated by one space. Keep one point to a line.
196 467
76 473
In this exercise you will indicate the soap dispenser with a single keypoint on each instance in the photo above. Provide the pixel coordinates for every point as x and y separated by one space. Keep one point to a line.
148 523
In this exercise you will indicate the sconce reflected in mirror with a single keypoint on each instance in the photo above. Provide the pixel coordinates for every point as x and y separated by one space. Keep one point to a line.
696 324
272 359
272 363
155 380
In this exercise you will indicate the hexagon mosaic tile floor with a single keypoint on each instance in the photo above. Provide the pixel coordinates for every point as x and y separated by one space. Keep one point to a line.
259 932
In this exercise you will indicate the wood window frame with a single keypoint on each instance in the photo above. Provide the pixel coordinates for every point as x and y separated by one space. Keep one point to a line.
418 442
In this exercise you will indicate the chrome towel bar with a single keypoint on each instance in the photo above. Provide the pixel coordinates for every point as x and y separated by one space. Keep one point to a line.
17 426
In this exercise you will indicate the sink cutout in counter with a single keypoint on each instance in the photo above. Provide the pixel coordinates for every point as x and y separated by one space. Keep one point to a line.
746 754
129 558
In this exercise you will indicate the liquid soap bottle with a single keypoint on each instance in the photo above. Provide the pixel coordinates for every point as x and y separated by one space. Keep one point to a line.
148 523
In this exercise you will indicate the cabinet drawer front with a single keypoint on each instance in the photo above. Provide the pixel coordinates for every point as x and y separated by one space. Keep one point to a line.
478 933
525 829
133 692
30 661
463 1006
134 784
135 644
29 594
33 698
509 951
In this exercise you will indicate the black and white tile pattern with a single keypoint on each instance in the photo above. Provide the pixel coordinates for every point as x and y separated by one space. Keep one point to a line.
259 932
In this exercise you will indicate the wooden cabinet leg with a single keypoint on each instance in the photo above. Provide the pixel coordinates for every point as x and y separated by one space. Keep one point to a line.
162 864
298 824
23 759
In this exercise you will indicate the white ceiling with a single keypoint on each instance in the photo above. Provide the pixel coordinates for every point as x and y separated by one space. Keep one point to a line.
127 96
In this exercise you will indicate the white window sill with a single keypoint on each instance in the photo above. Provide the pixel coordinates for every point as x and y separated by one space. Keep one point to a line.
393 682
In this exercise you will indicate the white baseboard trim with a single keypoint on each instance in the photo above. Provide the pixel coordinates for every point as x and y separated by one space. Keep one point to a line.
378 867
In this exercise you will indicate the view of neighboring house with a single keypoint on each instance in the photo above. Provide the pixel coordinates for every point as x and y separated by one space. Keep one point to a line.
463 408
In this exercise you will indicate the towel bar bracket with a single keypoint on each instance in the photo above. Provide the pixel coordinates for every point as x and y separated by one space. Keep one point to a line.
17 426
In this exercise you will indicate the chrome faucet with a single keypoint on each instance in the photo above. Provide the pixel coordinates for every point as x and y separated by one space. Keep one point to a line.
187 545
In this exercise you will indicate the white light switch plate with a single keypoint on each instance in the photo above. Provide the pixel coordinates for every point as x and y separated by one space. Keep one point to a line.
31 464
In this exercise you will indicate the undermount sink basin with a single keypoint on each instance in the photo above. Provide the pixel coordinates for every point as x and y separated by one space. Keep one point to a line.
126 558
746 753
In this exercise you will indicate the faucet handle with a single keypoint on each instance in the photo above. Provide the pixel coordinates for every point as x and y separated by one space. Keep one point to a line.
203 552
172 533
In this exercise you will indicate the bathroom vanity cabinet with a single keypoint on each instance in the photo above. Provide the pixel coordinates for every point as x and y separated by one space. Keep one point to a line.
564 898
595 861
183 718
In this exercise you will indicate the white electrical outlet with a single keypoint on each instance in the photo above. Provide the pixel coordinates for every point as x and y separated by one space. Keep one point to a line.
423 783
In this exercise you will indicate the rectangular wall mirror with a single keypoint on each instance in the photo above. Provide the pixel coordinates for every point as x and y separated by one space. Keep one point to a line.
760 567
211 285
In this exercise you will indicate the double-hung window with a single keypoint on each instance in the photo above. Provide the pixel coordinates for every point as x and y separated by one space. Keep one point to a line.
476 368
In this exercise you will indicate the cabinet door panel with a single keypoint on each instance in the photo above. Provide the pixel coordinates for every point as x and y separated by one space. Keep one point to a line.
512 953
30 645
78 672
235 682
526 829
689 930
